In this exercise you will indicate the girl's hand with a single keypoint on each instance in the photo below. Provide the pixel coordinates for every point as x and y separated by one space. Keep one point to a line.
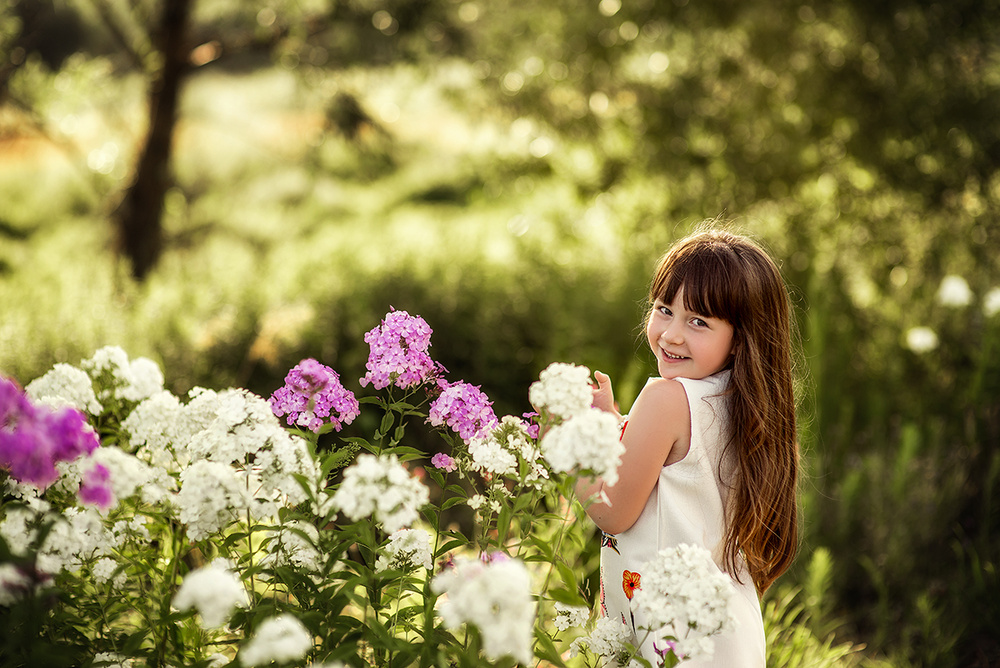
604 396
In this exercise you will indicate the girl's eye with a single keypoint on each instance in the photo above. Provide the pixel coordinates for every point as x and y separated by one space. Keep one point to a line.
698 322
664 310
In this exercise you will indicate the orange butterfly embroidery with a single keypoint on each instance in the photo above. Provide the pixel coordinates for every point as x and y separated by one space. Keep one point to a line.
630 582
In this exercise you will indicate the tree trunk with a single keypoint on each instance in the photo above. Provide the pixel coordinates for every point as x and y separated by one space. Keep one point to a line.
140 212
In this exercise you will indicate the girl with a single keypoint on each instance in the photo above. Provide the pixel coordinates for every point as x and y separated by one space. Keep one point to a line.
711 456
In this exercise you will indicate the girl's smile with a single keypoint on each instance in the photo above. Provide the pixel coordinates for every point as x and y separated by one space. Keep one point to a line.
687 344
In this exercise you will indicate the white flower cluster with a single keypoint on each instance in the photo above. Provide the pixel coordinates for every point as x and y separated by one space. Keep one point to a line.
294 544
569 616
496 598
112 660
589 441
279 639
406 548
210 498
77 537
381 487
248 461
129 475
562 390
65 385
119 378
214 591
500 453
608 640
685 597
159 429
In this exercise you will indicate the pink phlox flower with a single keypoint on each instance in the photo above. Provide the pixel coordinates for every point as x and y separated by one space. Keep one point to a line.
398 352
33 438
493 557
671 648
312 395
464 408
532 424
95 488
443 461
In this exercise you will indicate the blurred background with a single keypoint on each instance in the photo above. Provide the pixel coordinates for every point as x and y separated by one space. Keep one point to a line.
229 186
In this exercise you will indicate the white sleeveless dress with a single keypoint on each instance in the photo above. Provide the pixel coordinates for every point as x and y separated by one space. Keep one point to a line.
686 506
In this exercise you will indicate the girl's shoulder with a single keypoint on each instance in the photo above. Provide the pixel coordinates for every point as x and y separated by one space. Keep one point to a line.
662 398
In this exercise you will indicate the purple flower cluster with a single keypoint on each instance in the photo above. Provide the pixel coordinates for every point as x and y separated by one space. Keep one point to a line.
464 408
313 394
95 488
33 438
399 352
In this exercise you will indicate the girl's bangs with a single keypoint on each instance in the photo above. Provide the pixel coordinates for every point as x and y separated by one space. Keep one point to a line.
707 282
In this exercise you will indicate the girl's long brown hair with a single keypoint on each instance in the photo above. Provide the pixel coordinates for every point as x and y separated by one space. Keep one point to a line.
728 276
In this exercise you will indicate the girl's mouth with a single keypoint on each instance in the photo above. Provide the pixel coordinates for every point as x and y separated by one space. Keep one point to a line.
670 356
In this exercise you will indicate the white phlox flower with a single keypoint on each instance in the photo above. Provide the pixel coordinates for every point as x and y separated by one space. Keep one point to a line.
407 548
118 378
588 441
685 596
493 596
286 457
381 487
282 638
129 475
921 339
241 425
954 291
158 432
562 390
215 591
568 616
78 536
239 428
294 544
607 639
18 527
65 385
103 571
488 455
210 498
112 660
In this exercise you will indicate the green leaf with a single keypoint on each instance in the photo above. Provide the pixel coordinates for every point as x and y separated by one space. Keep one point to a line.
546 649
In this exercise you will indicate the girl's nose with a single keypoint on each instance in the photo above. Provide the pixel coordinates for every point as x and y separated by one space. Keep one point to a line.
672 334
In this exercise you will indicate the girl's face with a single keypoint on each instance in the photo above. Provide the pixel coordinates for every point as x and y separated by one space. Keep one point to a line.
687 344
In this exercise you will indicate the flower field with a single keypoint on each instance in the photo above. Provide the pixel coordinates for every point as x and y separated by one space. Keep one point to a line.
205 532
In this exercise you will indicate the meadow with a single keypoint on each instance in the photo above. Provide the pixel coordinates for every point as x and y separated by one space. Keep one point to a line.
521 246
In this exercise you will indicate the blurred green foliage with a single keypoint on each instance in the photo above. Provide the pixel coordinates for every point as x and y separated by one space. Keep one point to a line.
511 171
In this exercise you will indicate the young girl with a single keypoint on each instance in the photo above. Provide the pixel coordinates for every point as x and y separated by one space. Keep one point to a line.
711 456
